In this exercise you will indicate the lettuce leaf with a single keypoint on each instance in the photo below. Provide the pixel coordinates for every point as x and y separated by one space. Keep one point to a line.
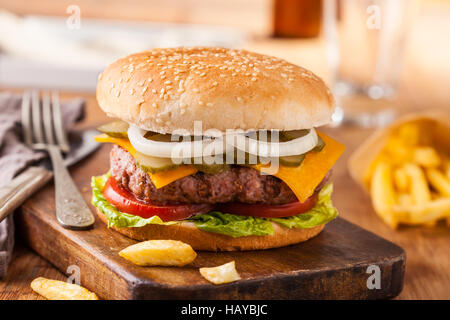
115 217
321 213
232 225
218 222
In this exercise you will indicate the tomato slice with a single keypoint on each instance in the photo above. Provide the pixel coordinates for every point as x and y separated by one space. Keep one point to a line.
126 202
269 211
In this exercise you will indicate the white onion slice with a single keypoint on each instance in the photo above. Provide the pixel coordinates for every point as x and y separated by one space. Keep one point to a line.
275 149
175 150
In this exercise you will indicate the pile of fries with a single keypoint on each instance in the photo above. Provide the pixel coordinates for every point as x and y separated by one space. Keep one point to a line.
409 180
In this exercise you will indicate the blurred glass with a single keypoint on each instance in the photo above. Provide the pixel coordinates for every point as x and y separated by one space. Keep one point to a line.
365 49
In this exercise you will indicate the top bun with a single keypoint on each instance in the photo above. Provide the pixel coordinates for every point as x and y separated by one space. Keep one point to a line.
167 89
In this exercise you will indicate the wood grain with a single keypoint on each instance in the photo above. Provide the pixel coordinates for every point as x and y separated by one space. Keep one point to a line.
332 265
422 86
428 262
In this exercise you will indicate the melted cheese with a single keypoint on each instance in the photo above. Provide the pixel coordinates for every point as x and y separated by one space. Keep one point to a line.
304 179
159 179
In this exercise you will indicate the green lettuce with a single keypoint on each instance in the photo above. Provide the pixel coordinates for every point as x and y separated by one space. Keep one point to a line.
218 222
321 213
115 217
232 225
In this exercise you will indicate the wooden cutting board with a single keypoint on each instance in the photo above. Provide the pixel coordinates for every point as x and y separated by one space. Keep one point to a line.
337 264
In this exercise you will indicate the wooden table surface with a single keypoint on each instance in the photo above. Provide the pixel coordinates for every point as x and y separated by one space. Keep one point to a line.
424 85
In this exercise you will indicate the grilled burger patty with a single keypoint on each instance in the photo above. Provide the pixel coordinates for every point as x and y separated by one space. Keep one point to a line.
241 184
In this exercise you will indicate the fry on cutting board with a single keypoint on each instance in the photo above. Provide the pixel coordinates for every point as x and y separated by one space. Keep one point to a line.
225 273
159 253
60 290
409 180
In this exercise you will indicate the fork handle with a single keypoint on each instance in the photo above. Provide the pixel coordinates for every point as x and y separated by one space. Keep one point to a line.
72 211
21 187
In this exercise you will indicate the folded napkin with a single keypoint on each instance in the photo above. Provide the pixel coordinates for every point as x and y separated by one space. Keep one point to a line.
16 156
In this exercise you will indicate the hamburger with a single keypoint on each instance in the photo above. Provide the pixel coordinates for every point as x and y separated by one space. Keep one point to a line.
216 148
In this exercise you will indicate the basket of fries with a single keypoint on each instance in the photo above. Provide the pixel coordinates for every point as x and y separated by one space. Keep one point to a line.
406 170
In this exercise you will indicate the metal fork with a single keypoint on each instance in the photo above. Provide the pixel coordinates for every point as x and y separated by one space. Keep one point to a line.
43 130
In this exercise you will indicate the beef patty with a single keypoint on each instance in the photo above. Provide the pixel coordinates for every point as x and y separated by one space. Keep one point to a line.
241 184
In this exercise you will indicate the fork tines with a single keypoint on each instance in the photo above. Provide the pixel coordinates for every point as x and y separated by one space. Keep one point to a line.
42 123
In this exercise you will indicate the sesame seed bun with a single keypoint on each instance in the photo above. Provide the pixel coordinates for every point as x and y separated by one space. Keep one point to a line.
207 241
167 89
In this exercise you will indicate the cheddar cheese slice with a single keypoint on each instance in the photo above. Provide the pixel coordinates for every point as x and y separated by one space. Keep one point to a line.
159 179
305 178
302 179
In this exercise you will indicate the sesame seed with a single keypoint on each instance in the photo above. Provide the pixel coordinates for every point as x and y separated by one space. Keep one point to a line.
253 79
168 82
131 91
200 103
154 105
209 104
154 90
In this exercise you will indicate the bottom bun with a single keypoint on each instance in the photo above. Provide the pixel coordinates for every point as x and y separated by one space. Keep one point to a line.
208 241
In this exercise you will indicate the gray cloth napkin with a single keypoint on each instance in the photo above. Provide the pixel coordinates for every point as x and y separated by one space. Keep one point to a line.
16 156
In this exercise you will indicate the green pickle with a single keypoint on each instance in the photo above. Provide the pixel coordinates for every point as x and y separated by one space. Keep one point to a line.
154 164
116 129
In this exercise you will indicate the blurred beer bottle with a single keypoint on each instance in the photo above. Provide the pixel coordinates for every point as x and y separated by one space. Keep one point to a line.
297 18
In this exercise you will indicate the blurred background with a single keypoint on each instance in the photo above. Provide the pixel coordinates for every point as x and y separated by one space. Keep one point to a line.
374 54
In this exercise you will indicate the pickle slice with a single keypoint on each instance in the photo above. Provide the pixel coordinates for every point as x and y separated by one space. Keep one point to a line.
211 168
292 161
161 137
154 164
320 145
292 134
116 129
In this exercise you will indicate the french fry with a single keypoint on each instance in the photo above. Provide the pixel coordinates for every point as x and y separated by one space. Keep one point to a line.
401 179
369 173
424 213
398 151
439 181
410 134
426 157
159 253
222 274
60 290
405 199
419 186
447 168
383 194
